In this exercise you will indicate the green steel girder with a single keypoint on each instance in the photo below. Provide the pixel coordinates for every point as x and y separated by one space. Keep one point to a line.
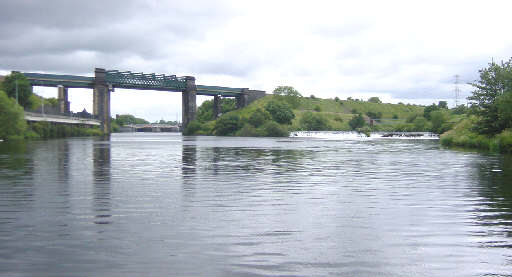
53 80
216 90
129 79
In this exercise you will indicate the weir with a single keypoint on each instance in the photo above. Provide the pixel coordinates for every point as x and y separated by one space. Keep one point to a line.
105 82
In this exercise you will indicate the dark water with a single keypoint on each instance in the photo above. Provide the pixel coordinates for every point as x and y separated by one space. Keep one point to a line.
166 205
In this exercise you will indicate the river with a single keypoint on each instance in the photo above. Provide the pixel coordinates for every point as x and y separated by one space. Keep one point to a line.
159 204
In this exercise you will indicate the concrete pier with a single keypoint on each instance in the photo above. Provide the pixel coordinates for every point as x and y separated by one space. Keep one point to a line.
217 110
101 99
63 100
188 102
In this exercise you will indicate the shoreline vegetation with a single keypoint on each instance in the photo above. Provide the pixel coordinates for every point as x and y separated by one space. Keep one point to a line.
484 124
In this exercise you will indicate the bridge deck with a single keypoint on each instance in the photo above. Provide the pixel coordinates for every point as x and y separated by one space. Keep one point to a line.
75 81
29 116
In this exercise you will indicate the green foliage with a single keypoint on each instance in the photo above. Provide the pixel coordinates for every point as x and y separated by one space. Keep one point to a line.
336 99
338 118
272 129
227 124
463 135
357 122
442 105
126 119
312 96
286 91
374 100
374 115
12 121
314 122
248 130
259 117
50 130
395 116
205 111
114 127
280 112
504 106
495 82
439 119
460 109
288 94
192 128
317 108
24 88
354 111
420 124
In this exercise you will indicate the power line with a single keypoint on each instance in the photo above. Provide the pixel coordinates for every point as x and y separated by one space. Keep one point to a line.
456 90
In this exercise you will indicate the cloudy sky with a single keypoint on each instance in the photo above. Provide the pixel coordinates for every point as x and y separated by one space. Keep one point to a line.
400 51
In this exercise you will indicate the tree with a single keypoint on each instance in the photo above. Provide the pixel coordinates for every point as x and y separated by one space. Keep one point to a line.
227 124
443 105
374 100
125 119
259 117
12 121
289 94
357 122
286 91
314 122
438 119
280 112
24 88
428 110
495 82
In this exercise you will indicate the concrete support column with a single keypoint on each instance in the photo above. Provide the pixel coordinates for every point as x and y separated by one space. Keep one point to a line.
217 109
241 100
188 102
63 100
101 99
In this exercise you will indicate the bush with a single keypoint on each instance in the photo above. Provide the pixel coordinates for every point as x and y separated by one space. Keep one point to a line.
259 117
272 129
280 112
374 100
317 108
12 120
247 130
395 116
314 122
438 119
24 88
357 122
227 124
338 118
192 128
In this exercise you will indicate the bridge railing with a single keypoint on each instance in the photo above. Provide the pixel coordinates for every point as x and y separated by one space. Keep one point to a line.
51 111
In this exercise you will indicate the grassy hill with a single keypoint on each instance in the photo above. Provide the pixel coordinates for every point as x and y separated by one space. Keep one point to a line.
335 113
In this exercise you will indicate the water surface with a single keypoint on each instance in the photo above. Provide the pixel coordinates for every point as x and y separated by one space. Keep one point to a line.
165 205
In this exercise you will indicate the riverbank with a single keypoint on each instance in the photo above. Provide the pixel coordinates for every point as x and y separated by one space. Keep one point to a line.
462 135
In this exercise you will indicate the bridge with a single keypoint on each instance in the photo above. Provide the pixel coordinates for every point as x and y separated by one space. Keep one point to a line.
37 117
106 81
151 127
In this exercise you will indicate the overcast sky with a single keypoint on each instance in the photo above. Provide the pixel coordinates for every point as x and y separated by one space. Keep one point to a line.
400 51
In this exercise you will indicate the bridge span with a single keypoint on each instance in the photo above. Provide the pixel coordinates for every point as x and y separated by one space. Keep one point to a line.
106 81
30 116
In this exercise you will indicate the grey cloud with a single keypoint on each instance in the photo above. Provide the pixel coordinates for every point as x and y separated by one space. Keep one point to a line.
46 35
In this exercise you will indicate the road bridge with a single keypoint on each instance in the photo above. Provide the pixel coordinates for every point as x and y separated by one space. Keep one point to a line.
106 81
36 117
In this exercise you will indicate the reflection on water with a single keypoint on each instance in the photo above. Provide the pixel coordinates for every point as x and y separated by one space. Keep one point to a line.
163 204
101 172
